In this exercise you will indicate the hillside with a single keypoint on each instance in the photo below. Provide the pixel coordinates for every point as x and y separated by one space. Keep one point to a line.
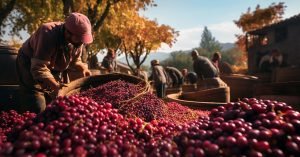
163 55
227 46
157 55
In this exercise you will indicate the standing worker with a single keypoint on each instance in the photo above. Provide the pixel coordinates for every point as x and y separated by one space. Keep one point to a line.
49 51
206 71
159 76
109 62
222 67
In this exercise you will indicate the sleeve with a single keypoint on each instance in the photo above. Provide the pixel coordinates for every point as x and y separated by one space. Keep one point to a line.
155 74
167 78
39 69
115 65
197 69
45 43
77 57
43 50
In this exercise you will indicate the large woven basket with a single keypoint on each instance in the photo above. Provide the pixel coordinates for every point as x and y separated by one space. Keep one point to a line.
193 104
85 83
221 94
241 86
189 88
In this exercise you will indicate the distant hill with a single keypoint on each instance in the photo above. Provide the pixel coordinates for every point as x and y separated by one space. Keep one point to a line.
163 55
157 55
227 46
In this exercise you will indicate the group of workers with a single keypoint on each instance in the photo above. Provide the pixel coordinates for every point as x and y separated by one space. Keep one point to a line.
205 71
57 46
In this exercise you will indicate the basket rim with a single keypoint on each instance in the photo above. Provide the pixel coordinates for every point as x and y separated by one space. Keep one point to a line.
175 96
78 82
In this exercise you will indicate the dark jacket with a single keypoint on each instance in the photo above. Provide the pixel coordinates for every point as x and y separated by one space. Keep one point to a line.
191 78
109 63
204 68
175 75
159 75
47 50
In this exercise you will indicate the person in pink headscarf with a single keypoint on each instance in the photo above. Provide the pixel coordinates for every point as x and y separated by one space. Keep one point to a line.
53 48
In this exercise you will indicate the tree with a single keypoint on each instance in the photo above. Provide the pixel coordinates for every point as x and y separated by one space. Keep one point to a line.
179 60
29 15
233 56
208 43
139 36
256 19
6 7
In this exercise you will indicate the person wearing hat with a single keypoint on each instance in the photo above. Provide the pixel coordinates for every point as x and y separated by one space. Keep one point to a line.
221 66
53 48
109 62
159 77
206 71
189 77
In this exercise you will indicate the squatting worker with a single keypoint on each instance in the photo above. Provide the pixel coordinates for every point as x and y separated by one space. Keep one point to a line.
53 48
206 71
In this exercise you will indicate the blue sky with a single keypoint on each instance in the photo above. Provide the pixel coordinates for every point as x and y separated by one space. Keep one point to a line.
190 16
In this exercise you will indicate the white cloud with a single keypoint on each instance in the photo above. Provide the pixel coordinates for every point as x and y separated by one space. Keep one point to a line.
191 37
224 32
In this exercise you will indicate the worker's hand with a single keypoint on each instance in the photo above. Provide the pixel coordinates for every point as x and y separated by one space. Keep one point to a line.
86 72
49 84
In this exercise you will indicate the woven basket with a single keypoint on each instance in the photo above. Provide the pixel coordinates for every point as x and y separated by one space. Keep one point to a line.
193 104
241 86
221 94
189 88
85 83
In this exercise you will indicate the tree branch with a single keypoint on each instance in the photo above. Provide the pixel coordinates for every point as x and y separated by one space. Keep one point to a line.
126 56
146 55
68 7
4 12
99 23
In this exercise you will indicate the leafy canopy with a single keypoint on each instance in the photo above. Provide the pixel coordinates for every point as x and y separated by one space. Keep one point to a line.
208 44
260 17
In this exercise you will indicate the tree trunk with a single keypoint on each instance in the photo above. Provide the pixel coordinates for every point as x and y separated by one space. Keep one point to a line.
4 12
68 7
